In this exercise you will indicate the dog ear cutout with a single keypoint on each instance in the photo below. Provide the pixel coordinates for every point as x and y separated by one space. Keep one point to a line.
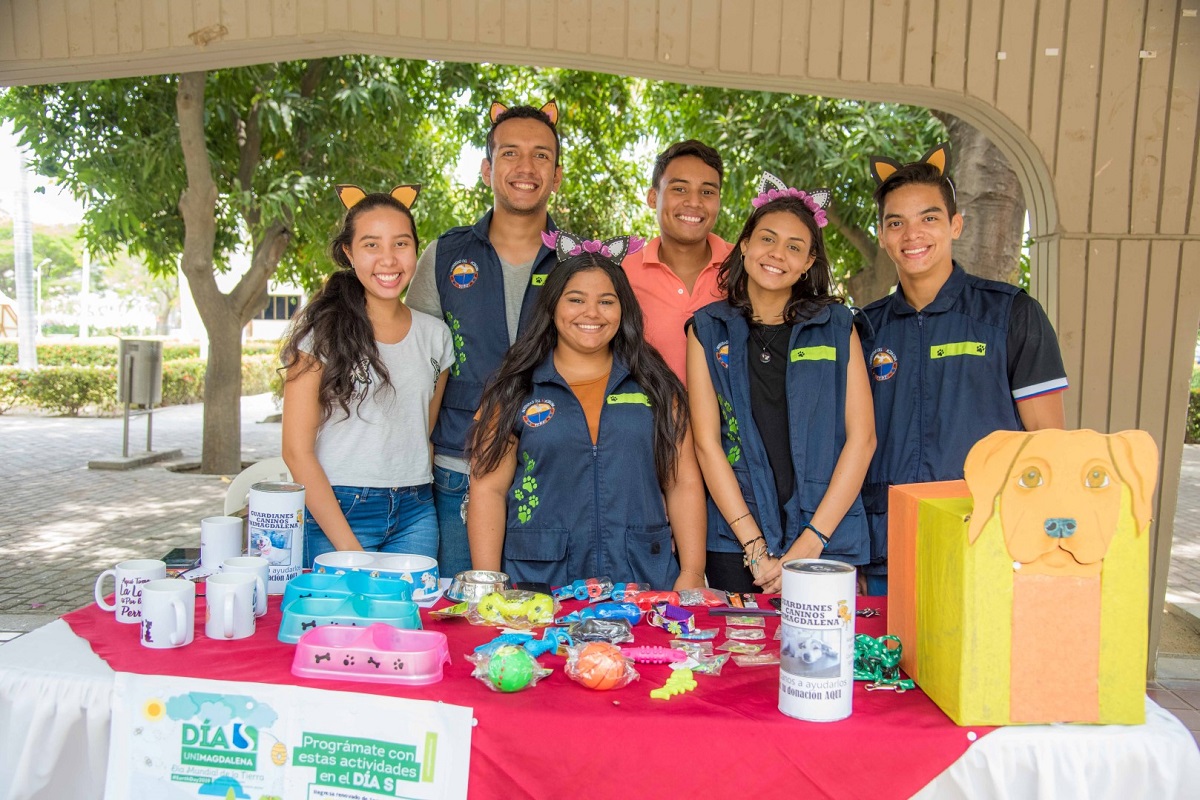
1136 457
551 111
882 168
495 111
986 471
939 157
406 194
349 194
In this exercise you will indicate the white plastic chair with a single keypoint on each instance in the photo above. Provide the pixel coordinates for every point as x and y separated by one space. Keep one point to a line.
237 496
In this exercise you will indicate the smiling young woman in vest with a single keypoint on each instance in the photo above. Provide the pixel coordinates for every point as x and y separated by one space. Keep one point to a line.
780 401
582 464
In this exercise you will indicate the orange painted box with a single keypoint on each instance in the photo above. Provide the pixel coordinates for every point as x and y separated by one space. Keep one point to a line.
1034 610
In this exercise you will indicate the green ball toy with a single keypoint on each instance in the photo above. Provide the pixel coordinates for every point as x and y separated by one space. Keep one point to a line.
510 669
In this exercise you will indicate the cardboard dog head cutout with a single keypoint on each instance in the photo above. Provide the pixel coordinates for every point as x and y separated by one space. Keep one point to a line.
1059 495
351 195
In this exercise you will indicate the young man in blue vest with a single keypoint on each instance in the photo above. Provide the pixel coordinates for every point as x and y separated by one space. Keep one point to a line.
953 356
482 279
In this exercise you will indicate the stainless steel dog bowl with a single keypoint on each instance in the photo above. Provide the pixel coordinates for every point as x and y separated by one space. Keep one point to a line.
472 584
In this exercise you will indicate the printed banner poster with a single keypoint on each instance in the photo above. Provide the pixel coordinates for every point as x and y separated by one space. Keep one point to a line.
176 738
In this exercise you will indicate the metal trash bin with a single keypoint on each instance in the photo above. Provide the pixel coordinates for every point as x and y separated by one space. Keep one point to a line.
139 374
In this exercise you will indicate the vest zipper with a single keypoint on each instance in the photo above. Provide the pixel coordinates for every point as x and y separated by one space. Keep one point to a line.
920 396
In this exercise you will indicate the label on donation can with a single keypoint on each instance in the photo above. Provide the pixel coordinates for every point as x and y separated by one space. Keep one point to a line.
816 657
276 530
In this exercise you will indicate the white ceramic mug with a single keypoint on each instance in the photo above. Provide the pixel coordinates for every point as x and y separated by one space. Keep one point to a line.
168 613
220 538
229 598
129 577
256 566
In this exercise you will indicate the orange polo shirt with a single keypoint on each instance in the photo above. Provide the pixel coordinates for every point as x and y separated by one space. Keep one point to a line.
665 301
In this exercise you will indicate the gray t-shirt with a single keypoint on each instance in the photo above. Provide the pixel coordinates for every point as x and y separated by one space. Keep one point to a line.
385 441
423 296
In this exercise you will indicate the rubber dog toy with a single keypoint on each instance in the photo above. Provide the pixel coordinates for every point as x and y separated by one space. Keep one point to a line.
654 654
681 681
511 668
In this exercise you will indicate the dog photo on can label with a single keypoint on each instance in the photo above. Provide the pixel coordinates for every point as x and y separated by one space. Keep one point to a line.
810 654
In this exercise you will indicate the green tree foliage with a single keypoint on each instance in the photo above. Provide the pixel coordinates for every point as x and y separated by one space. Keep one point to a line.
809 142
57 243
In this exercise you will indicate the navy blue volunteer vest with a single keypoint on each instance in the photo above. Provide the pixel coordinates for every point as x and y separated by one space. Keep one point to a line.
470 283
818 355
577 510
939 379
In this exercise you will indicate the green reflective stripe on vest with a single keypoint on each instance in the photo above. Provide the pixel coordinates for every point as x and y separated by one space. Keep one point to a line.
958 349
628 397
537 279
820 352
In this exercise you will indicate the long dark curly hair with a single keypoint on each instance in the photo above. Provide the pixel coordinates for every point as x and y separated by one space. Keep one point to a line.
809 295
339 334
509 387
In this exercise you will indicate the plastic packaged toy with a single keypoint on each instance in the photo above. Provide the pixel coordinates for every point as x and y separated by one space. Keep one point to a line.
702 597
514 608
653 654
509 668
626 611
625 592
552 639
646 600
600 666
613 631
591 589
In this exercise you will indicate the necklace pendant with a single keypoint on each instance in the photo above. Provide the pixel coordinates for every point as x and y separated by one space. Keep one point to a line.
764 357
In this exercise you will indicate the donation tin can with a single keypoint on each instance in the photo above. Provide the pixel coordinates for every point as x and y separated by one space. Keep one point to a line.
276 530
816 657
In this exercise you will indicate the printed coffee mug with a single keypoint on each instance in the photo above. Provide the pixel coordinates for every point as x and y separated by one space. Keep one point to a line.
129 577
229 599
220 538
256 566
168 613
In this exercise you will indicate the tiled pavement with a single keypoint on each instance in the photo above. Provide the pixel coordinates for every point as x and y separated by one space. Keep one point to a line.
61 523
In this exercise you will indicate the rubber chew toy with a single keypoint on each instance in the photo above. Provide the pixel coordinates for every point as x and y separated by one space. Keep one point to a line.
653 654
681 681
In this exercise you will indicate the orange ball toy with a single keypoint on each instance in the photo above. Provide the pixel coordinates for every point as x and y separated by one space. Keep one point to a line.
599 665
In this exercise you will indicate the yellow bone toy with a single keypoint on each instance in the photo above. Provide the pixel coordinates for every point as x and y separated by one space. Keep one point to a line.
681 681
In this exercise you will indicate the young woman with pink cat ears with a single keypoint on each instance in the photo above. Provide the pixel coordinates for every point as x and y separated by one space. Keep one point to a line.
780 401
364 381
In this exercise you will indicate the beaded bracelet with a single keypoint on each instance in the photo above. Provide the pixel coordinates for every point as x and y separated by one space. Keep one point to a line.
824 539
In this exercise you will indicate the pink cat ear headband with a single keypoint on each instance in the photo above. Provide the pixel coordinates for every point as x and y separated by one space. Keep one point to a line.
772 188
568 244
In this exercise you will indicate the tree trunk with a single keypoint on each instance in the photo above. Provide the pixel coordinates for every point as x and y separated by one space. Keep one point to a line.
879 276
991 201
221 450
873 281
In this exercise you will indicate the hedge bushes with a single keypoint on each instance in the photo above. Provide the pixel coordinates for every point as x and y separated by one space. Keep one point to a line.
1192 436
72 378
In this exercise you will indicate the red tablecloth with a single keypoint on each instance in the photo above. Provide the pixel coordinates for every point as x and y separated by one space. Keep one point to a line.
726 738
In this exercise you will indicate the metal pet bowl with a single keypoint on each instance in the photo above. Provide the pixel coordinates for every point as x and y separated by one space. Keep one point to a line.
473 584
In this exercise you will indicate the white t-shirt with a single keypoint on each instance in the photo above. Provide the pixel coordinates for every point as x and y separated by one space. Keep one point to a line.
385 441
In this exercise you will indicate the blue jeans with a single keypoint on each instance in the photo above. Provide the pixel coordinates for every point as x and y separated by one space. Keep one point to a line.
877 585
450 496
384 520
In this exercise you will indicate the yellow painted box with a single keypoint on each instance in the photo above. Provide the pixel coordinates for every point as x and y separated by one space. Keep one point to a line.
1035 611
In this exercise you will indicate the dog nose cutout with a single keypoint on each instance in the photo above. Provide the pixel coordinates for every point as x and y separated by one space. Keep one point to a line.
1059 527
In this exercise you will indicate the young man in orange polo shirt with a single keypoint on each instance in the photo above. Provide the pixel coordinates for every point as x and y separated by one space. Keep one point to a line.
675 274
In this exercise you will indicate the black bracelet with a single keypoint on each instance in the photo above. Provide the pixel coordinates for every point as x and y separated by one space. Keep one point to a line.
752 541
824 539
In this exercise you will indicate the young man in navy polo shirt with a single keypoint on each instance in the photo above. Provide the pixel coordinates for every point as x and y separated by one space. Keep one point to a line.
482 279
953 357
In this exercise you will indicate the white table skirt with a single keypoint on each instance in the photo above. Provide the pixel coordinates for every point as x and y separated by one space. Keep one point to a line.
56 704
